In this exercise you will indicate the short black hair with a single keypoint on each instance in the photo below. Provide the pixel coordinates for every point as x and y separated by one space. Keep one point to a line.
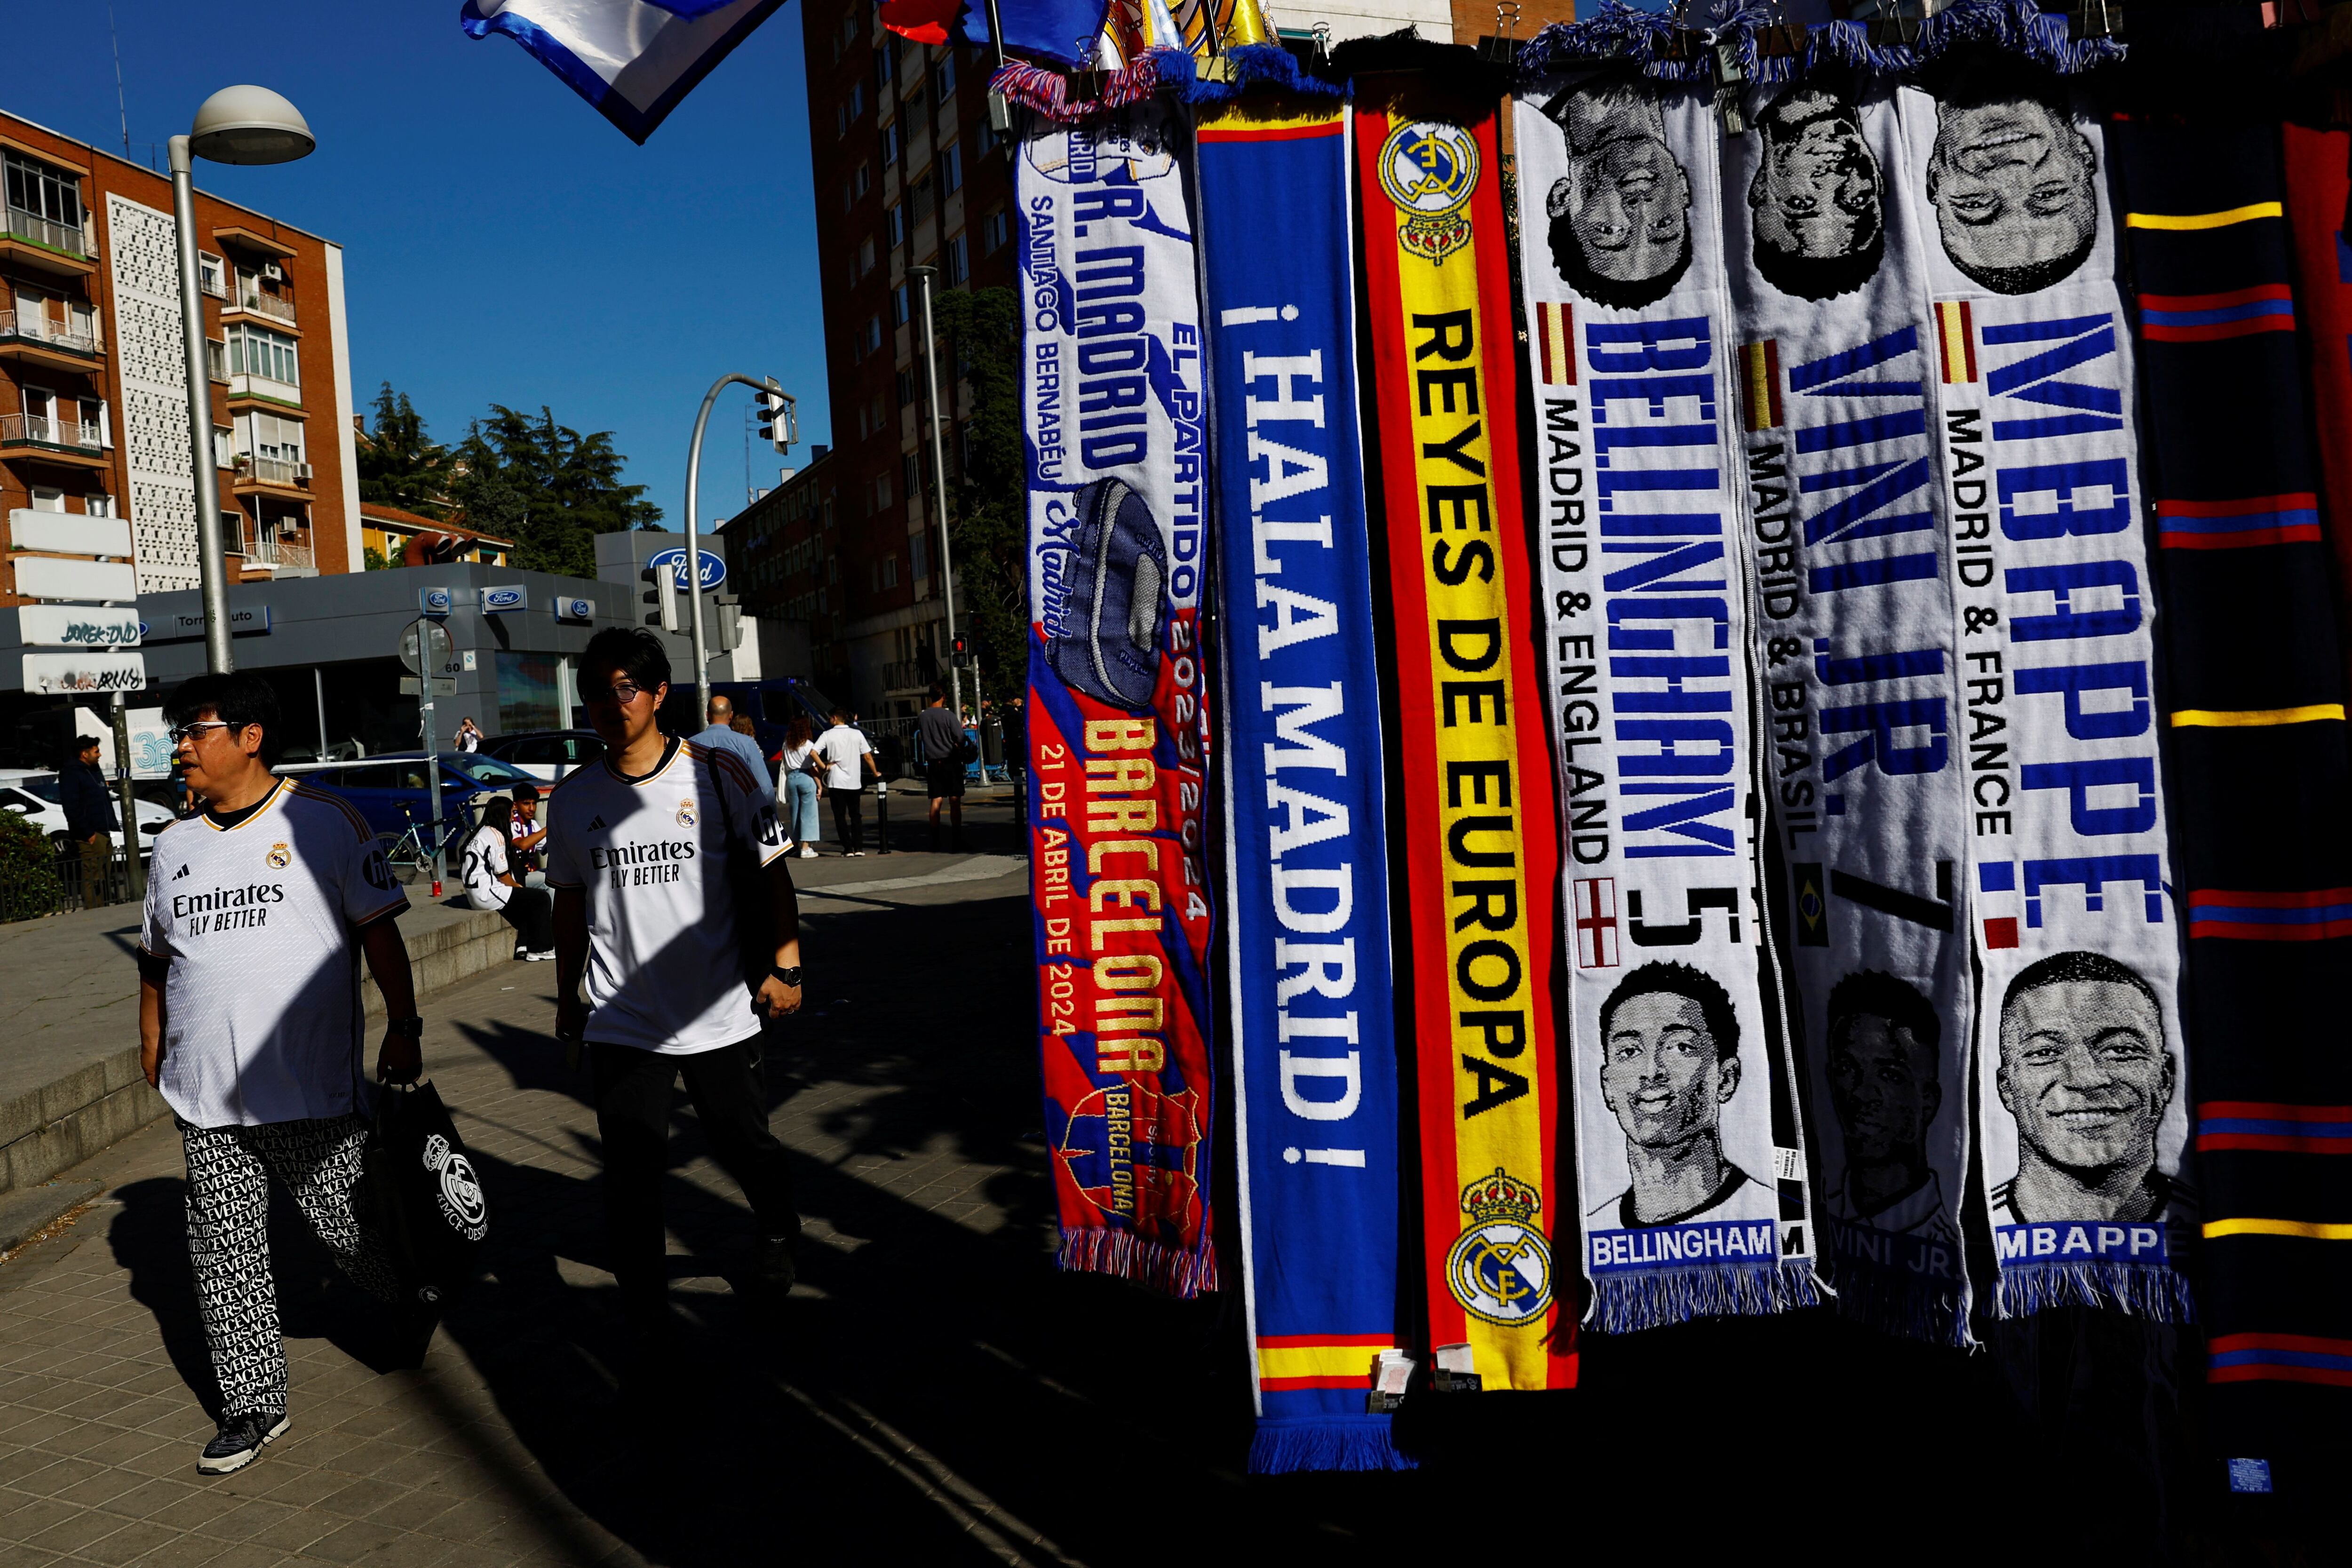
1622 294
1820 276
939 692
2065 968
238 697
1869 992
2033 276
523 792
1691 984
632 651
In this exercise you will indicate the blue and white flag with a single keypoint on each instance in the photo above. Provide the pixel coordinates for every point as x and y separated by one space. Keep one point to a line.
634 59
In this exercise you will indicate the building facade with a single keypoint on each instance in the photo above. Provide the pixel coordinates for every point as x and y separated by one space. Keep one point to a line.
93 402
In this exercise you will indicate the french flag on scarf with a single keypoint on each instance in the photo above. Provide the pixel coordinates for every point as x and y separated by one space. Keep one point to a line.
1055 30
634 59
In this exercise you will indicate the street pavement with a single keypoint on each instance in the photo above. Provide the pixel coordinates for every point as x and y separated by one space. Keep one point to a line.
934 1391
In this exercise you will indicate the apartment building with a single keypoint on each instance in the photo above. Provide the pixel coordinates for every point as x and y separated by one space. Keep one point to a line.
93 400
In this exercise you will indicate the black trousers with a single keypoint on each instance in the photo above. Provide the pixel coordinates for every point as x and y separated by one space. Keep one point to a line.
531 911
633 1091
848 818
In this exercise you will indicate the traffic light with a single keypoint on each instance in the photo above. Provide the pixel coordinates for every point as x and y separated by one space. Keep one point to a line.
962 647
663 596
779 425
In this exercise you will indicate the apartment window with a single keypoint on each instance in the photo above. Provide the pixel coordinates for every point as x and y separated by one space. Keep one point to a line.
212 276
840 129
257 351
232 533
881 492
918 546
225 447
943 77
886 66
865 266
268 436
890 570
906 390
873 333
910 476
899 310
863 180
889 156
856 112
951 168
919 199
991 138
959 260
995 230
44 193
897 218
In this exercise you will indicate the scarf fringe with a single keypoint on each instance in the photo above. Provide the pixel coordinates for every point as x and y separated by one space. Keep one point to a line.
1936 1315
1627 1303
1047 91
1124 1255
2158 1293
1333 1443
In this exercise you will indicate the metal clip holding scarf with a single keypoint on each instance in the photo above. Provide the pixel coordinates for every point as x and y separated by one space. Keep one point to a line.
1115 442
1480 854
1691 1169
1306 916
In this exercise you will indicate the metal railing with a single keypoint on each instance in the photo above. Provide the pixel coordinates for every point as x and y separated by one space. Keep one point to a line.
262 304
278 553
272 470
67 238
39 429
34 884
903 675
29 328
213 280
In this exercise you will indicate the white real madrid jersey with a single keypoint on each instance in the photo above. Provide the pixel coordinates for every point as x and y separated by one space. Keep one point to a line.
262 1016
664 968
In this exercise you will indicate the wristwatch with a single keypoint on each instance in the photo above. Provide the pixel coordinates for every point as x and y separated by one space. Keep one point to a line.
413 1028
789 976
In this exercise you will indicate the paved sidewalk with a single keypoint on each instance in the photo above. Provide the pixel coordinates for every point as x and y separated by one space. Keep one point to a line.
933 1392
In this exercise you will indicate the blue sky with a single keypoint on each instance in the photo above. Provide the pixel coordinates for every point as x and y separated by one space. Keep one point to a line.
502 243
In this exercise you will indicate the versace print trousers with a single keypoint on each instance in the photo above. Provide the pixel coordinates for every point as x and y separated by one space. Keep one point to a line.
229 1239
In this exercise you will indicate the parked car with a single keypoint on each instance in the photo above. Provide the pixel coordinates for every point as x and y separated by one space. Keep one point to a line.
34 796
381 785
547 754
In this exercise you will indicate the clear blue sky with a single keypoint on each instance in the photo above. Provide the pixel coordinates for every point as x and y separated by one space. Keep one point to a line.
502 243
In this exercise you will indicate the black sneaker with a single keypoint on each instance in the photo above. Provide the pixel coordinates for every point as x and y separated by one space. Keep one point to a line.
240 1441
776 1270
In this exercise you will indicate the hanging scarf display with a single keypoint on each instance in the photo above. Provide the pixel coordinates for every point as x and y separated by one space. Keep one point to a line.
2082 1101
1479 849
2318 192
1307 905
1114 439
1852 599
2256 692
1690 1170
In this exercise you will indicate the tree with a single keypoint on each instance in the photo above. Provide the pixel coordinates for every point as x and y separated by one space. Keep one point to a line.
399 464
986 505
547 488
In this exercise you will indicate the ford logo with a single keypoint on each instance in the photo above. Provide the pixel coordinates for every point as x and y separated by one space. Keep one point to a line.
712 569
574 609
433 601
509 597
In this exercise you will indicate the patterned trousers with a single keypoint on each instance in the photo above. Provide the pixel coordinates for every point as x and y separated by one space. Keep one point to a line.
229 1239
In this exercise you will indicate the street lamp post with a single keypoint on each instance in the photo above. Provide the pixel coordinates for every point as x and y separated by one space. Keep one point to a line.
939 481
693 556
234 125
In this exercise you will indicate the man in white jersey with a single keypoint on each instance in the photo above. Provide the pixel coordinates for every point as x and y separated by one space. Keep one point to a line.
259 909
668 868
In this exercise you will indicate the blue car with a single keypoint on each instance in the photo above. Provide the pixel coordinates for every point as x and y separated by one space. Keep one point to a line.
390 790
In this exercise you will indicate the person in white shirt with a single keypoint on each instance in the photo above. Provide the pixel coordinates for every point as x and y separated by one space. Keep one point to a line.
848 759
258 911
470 737
525 835
649 850
798 791
488 871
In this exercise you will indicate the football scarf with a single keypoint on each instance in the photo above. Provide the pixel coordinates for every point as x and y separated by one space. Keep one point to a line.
1690 1170
1113 436
2254 691
2317 193
2082 1097
1307 904
1478 847
1851 600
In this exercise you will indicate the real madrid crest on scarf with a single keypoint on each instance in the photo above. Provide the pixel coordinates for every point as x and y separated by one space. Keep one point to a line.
1480 855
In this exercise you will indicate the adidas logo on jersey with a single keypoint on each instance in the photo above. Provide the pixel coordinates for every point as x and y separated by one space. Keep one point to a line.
180 873
595 823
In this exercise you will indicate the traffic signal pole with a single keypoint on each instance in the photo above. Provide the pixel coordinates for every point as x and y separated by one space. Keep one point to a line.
773 408
940 478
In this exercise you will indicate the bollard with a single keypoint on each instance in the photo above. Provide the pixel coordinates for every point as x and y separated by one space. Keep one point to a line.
882 817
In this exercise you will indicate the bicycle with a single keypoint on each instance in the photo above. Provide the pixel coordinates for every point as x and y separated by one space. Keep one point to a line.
409 853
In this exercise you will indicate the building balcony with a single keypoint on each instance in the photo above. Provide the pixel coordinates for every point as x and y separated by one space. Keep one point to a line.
902 675
254 302
245 383
269 474
62 440
282 556
25 335
47 244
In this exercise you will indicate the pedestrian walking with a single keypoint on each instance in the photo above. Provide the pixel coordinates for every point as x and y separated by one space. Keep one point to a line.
723 735
91 820
946 754
488 871
848 759
802 770
470 737
670 883
250 1025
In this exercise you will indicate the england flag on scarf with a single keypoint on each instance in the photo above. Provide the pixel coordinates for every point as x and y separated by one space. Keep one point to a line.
634 59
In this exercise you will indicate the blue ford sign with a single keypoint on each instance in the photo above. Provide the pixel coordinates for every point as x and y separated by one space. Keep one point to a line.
713 570
571 609
497 600
433 601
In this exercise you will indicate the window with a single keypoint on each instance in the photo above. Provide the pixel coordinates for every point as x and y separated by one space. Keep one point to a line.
257 351
212 275
991 138
840 129
910 476
232 533
268 437
959 260
224 446
899 312
864 178
881 491
50 194
897 218
889 148
919 199
848 200
918 547
856 112
943 77
864 264
995 230
886 66
95 426
906 387
951 167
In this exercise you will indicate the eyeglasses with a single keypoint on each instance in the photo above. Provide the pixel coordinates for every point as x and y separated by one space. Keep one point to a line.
189 732
621 694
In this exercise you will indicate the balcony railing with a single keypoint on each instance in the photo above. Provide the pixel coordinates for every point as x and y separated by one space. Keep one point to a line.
24 327
272 470
903 675
212 279
262 304
40 430
278 553
48 231
245 383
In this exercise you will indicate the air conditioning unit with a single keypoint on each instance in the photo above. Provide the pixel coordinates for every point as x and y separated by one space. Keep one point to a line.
275 273
302 472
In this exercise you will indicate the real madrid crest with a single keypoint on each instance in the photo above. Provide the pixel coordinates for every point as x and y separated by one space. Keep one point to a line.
1500 1269
280 857
1429 168
685 817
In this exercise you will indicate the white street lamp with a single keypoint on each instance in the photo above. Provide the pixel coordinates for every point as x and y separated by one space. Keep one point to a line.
234 125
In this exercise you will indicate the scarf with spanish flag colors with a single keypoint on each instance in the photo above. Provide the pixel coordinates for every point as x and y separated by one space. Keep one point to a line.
1478 849
1307 898
1115 438
1690 1160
